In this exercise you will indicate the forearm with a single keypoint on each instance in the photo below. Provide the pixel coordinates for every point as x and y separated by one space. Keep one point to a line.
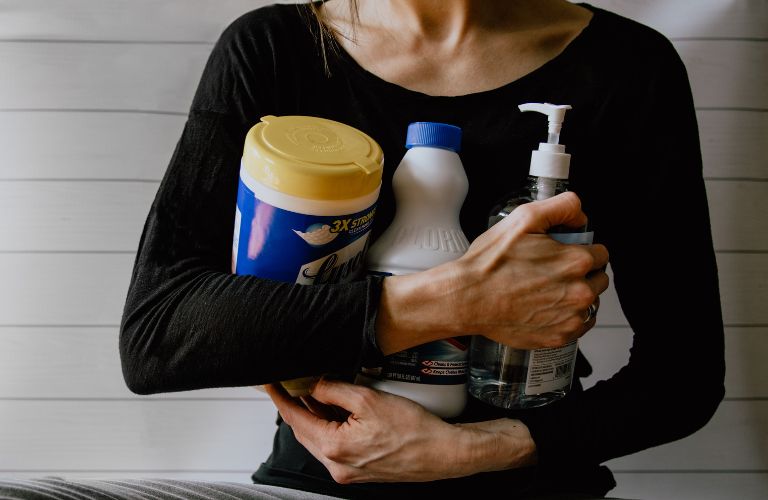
515 285
214 329
189 323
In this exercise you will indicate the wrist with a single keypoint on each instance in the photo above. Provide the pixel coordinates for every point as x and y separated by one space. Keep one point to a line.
496 445
415 309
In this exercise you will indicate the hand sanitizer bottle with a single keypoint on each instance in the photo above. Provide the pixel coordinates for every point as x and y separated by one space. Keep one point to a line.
430 186
514 378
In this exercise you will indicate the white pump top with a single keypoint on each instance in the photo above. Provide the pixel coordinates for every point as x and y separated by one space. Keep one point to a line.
550 160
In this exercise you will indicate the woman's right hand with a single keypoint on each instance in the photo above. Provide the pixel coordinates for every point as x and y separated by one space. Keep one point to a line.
514 285
382 437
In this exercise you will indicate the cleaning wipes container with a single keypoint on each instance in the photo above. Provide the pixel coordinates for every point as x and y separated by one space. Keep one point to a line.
305 204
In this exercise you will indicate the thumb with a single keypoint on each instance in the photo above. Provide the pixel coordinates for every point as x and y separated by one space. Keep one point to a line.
562 209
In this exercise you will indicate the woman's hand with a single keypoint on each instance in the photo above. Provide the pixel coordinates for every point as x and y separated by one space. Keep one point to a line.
514 285
387 438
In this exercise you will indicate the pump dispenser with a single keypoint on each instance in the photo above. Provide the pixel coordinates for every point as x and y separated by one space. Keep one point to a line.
514 378
550 160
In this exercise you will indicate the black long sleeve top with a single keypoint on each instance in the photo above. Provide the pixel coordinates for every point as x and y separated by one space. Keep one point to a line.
189 323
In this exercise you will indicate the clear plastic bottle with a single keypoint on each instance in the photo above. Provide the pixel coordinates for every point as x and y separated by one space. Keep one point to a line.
515 378
430 186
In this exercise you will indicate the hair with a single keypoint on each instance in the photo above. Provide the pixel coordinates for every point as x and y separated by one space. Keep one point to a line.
326 36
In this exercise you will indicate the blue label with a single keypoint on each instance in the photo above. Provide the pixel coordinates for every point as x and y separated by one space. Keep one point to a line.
288 246
583 238
443 362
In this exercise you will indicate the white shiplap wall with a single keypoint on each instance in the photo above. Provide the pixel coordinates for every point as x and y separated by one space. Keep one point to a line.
92 100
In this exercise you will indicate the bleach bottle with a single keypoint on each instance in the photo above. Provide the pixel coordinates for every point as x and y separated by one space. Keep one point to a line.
430 186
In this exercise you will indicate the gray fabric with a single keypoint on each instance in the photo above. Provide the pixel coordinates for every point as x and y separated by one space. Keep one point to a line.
56 488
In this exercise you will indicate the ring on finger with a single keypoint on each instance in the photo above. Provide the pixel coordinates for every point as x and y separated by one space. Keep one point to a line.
591 311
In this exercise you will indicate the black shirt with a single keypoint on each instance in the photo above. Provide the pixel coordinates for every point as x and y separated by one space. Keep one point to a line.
189 323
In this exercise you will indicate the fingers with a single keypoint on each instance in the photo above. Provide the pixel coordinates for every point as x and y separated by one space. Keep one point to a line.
540 216
598 281
294 414
599 256
322 410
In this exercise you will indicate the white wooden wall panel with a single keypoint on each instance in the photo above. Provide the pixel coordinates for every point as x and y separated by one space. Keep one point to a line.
743 286
696 18
243 476
221 436
226 435
694 485
89 361
82 145
738 214
107 84
202 20
73 216
732 143
724 74
63 289
727 73
63 216
89 358
99 76
122 20
735 439
745 348
89 289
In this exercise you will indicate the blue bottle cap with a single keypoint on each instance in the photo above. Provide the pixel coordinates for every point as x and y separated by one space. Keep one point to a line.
432 134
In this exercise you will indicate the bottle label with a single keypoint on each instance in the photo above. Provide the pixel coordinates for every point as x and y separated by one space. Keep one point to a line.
552 369
443 362
288 246
583 238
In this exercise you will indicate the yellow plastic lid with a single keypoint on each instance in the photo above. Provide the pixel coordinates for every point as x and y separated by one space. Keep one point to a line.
312 157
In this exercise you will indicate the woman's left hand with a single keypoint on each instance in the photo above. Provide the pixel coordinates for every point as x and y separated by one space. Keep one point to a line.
387 438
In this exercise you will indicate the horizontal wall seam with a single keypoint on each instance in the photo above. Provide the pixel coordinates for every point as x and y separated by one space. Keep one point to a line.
105 42
96 41
182 113
40 325
690 471
169 471
163 399
94 110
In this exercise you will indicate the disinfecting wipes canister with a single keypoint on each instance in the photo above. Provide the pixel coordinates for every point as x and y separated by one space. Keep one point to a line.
305 203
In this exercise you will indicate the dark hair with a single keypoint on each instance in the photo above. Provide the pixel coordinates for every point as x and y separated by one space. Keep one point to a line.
326 35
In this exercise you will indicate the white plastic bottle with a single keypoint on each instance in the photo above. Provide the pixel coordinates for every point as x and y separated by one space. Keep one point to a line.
515 378
430 186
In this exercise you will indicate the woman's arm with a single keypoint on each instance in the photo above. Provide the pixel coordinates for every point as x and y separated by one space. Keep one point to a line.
387 438
666 277
515 285
189 323
665 273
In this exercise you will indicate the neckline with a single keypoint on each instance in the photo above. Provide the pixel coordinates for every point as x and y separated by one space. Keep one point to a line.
403 93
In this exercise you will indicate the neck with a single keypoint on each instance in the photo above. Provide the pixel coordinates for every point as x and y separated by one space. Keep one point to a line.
453 47
445 20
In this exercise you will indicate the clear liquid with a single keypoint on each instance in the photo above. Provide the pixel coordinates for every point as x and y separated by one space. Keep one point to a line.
498 375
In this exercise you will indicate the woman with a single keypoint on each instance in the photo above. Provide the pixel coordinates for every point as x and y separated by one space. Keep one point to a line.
379 65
